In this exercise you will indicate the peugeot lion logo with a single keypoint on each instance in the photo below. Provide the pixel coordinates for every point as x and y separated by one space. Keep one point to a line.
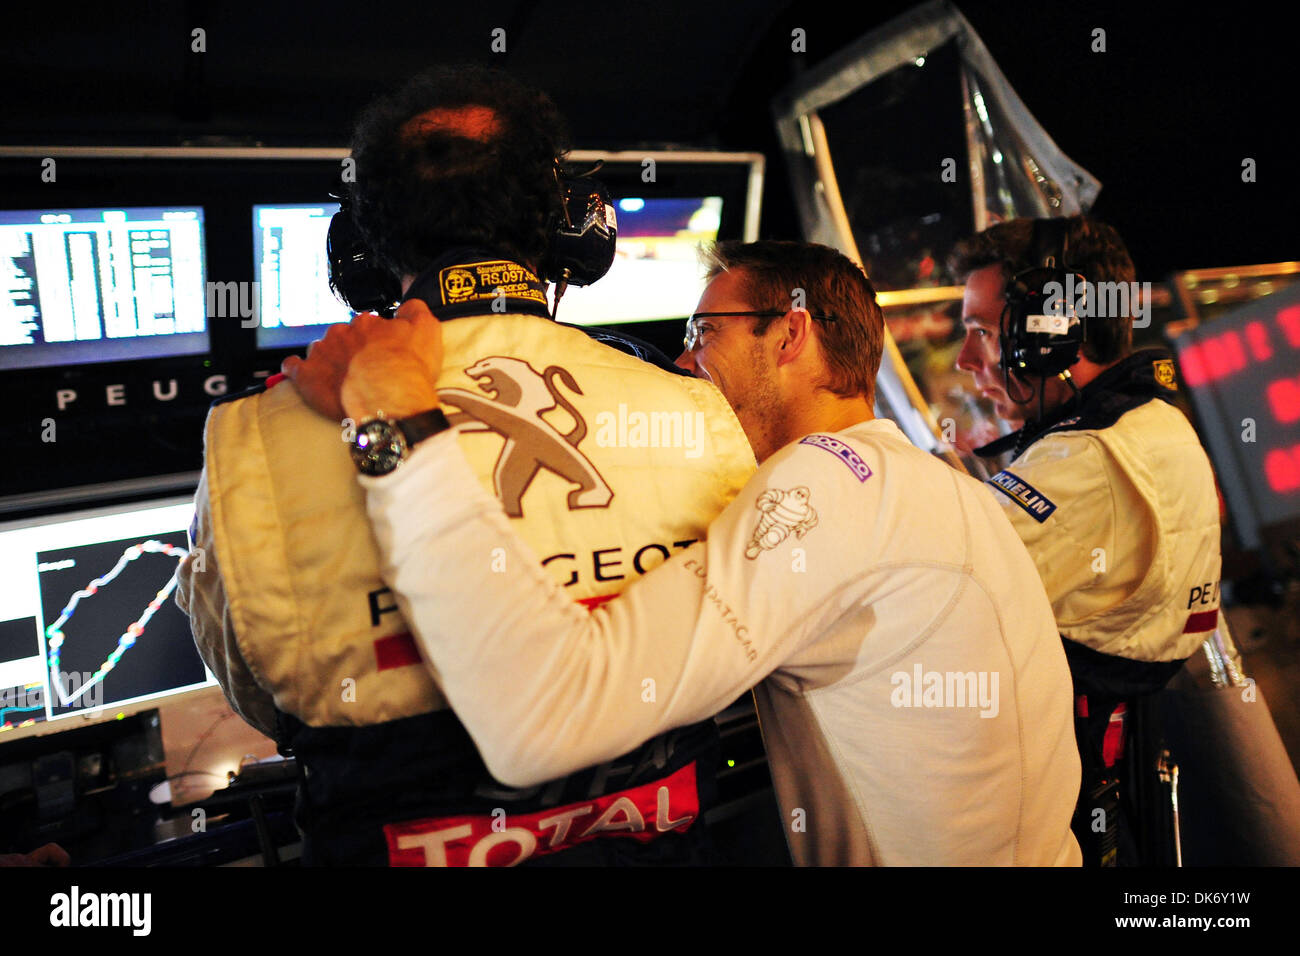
515 396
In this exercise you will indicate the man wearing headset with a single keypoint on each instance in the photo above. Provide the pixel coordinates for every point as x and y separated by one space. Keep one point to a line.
457 200
1108 485
914 696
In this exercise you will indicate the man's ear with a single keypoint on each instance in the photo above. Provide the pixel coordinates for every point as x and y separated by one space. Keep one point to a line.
796 335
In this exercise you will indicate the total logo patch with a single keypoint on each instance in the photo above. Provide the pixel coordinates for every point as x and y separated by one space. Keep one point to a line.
641 813
1035 504
861 470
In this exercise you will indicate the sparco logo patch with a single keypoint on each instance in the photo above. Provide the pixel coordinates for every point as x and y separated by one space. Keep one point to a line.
1036 505
783 512
516 396
640 813
842 451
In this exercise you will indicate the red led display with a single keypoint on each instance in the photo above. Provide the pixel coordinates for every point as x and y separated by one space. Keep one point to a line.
1282 469
1254 372
1220 356
1284 399
1213 359
1289 321
1257 339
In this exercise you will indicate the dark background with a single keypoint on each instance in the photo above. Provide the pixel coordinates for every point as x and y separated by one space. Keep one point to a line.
1163 118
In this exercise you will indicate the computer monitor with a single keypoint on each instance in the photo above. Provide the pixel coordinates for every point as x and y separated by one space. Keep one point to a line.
101 285
295 302
656 272
88 619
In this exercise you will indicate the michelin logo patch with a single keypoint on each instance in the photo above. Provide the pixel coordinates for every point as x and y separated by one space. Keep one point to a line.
841 451
783 512
1025 495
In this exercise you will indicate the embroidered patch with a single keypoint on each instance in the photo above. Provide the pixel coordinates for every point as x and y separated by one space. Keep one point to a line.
1164 372
473 281
510 402
783 512
1036 505
861 470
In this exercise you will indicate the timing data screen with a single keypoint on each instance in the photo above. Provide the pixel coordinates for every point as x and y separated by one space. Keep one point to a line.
100 285
88 616
295 301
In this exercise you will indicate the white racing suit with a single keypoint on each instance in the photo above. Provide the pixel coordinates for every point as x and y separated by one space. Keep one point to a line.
1115 501
915 700
607 465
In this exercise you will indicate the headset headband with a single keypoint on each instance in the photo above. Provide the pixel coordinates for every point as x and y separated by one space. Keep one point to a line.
1050 243
1041 335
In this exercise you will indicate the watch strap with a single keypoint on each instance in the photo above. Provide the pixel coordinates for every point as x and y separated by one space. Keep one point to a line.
416 428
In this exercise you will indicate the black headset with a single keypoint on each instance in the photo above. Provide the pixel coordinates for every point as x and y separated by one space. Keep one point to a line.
583 231
354 277
1040 332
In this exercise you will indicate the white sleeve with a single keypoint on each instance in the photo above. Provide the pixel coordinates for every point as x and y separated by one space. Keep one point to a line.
546 687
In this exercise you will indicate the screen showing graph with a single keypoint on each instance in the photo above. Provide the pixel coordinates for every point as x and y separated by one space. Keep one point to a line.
89 622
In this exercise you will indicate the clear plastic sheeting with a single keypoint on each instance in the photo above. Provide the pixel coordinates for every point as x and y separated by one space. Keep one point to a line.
899 145
1016 170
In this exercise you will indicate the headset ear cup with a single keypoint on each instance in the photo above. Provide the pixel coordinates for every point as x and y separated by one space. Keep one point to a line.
362 285
1015 355
1005 340
1012 312
1040 352
584 234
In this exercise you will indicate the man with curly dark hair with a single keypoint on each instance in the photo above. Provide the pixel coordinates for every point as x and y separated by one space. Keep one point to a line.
456 194
455 157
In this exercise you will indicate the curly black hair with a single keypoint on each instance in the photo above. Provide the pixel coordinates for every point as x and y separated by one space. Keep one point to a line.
421 188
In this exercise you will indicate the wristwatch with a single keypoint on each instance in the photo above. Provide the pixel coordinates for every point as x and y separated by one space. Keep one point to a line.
381 444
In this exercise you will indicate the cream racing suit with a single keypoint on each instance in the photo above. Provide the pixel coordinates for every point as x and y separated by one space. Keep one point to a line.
915 700
1115 500
1116 504
607 466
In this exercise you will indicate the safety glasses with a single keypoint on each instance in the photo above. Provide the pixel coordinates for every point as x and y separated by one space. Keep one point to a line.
693 323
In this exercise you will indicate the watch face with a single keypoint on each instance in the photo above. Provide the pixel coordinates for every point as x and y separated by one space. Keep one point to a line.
379 447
